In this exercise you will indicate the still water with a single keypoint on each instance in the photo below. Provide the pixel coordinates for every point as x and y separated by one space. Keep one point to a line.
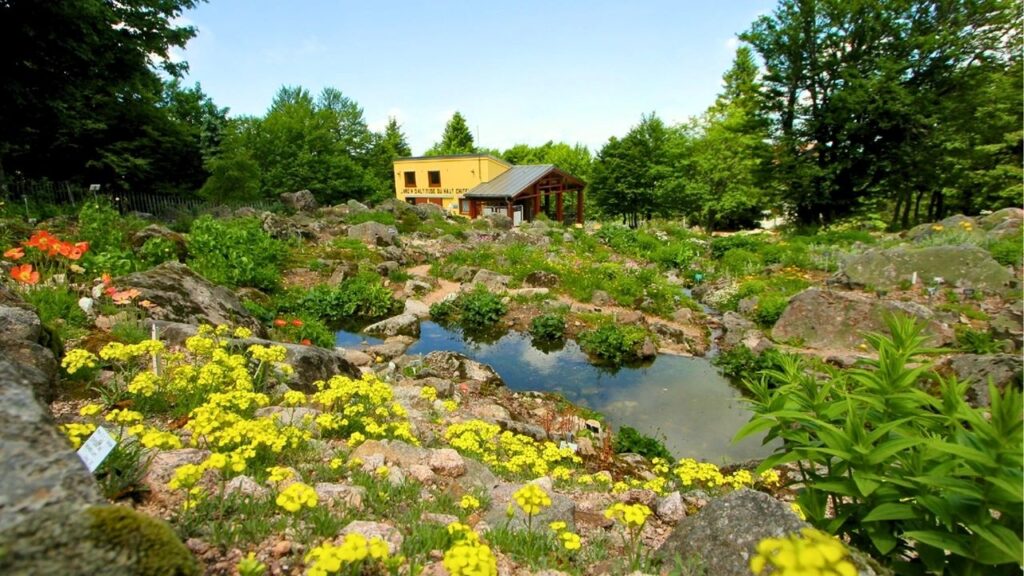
683 401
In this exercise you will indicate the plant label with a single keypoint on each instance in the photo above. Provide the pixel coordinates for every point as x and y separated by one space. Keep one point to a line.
96 448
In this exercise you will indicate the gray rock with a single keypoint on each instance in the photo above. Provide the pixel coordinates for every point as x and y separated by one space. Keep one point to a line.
684 316
528 292
40 470
287 227
401 325
1004 370
562 508
499 221
734 328
477 477
669 332
25 342
355 207
464 273
392 451
427 211
351 496
311 363
601 298
245 486
541 279
374 233
457 367
301 201
357 357
289 415
525 428
447 462
416 308
747 306
371 530
493 281
629 317
392 348
417 287
1012 214
670 508
181 295
163 464
965 266
1008 324
1009 228
837 320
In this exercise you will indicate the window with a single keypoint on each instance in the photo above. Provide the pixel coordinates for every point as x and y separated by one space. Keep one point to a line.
464 206
434 178
410 179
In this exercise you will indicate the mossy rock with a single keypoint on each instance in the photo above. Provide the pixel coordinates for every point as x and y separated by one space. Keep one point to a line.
112 540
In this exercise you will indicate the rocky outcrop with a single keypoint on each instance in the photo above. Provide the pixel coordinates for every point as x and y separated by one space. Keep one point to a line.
822 319
181 295
301 201
456 367
734 329
26 345
401 325
374 234
960 266
493 281
1004 370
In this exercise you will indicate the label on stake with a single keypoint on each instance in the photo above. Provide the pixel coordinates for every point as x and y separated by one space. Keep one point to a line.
96 448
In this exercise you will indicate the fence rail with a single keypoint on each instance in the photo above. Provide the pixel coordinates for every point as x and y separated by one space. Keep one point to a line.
64 193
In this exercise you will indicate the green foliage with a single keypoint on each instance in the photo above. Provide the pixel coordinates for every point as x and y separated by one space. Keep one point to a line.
157 250
740 362
1008 251
977 342
363 296
379 216
101 226
895 469
475 310
722 244
235 253
121 472
548 327
155 547
456 139
58 310
534 548
739 261
129 332
626 175
632 441
614 343
769 308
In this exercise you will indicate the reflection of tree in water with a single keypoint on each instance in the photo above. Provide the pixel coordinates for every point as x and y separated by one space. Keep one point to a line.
548 346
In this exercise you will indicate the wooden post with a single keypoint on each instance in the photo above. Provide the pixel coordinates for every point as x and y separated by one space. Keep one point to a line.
509 208
558 207
579 206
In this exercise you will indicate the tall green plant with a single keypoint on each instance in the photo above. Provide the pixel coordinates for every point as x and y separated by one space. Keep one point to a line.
931 484
235 252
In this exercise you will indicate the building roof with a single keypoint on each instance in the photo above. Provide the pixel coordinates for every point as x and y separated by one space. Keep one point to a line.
513 181
452 157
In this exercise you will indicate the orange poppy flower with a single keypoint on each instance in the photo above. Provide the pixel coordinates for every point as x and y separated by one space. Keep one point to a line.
42 240
279 322
73 252
25 274
296 322
124 297
306 342
15 253
105 278
83 246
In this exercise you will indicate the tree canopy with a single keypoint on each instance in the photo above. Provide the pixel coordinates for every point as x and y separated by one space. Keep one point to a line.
456 139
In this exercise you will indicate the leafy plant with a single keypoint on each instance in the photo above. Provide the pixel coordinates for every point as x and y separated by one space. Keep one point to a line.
548 327
740 362
386 218
977 342
475 310
58 309
769 308
1008 251
613 343
235 252
930 484
121 472
363 296
157 250
633 441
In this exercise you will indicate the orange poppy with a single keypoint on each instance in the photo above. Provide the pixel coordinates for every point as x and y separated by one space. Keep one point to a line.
306 342
74 252
279 322
296 322
15 253
42 240
105 278
25 274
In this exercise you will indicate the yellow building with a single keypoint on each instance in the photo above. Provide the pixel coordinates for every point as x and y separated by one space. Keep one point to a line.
475 185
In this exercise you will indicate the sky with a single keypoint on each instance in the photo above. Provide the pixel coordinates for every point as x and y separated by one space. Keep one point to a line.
519 71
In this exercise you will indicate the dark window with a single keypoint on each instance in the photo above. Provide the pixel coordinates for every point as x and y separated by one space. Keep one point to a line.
434 178
410 179
464 206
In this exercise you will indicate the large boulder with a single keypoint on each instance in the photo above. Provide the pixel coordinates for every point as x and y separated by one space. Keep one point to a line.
832 320
25 342
301 201
401 325
456 367
1012 215
181 295
493 281
734 329
1004 370
374 233
962 266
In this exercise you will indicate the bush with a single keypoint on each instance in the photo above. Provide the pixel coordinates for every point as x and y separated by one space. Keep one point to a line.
380 217
1008 252
632 441
548 327
361 297
976 342
930 485
723 244
158 250
58 310
101 226
474 311
235 253
740 362
613 343
769 308
740 261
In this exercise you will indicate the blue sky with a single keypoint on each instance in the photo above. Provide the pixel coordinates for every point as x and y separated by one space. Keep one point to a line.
520 72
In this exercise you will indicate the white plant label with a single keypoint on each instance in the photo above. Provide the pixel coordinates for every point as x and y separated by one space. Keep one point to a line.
96 448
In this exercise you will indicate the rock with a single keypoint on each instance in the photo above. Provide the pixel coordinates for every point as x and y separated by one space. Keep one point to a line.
350 496
422 473
525 428
311 363
629 317
562 508
301 201
445 388
1012 214
289 415
287 227
670 508
747 306
392 451
447 462
245 486
601 298
369 530
493 281
1004 370
541 279
963 266
401 325
109 539
439 519
417 287
181 295
1009 228
281 548
40 469
1008 324
725 533
417 309
528 292
27 345
355 207
456 367
464 273
828 320
357 357
162 466
757 342
649 349
477 477
387 267
684 316
158 231
499 221
374 233
428 211
392 348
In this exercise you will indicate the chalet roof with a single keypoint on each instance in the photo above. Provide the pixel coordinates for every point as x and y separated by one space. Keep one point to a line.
513 181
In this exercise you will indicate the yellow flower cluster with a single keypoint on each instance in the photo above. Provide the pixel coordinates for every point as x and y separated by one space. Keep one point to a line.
78 359
269 354
330 559
186 476
469 503
295 496
293 398
569 540
279 474
810 553
506 452
532 499
633 516
468 556
77 433
361 408
428 393
116 351
90 410
156 438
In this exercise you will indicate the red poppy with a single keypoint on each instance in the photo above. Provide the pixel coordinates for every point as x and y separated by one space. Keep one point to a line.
82 246
296 322
306 342
25 274
279 322
42 240
15 253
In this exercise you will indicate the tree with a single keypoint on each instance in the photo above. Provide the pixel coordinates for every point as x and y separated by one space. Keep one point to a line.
80 97
629 175
457 138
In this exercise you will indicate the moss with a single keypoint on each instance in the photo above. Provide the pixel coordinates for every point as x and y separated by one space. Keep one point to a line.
156 548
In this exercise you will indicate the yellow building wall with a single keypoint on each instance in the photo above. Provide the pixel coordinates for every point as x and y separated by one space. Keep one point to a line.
458 175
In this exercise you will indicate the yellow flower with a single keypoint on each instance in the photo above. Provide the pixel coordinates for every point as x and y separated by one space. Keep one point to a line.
557 526
469 502
90 410
279 474
797 510
294 398
631 515
336 463
470 559
382 471
78 359
295 496
570 541
185 477
428 393
810 552
242 333
532 499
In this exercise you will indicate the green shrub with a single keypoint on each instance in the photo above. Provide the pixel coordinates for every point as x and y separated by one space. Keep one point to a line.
548 327
723 244
1008 251
740 261
976 342
929 485
361 297
474 311
157 250
380 217
235 253
613 343
740 362
101 226
58 310
632 441
769 308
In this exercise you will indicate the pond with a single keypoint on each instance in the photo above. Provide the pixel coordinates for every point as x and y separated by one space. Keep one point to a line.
683 401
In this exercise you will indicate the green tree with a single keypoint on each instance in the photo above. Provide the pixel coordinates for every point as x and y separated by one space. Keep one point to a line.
629 174
456 139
